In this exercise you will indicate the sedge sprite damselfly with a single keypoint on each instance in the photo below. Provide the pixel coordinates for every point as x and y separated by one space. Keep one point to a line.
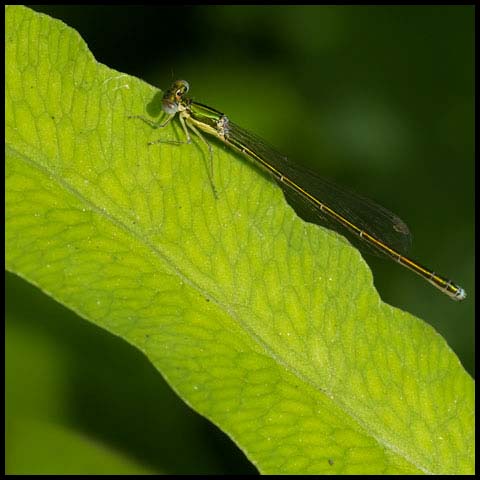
377 227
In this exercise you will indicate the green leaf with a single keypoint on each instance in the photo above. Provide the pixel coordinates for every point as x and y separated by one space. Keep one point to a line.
66 375
267 325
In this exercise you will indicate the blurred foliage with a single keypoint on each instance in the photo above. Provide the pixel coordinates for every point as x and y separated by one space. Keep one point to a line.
379 98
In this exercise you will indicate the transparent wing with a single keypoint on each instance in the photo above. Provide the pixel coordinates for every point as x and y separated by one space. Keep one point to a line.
364 213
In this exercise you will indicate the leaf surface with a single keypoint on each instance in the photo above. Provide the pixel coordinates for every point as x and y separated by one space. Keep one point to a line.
267 325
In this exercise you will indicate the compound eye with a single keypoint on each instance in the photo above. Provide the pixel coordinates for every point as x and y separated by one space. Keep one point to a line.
169 107
182 88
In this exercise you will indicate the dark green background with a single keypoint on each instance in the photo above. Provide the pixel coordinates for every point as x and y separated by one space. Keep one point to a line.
380 99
